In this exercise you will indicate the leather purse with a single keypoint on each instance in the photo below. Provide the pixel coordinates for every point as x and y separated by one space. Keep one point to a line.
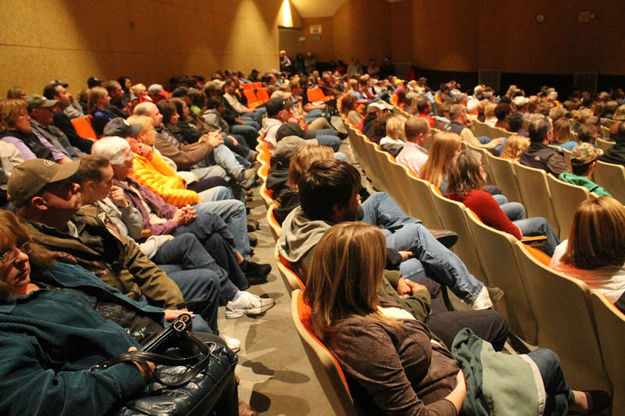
192 377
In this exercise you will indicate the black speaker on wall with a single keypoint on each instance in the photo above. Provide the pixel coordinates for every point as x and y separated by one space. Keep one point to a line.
585 81
490 77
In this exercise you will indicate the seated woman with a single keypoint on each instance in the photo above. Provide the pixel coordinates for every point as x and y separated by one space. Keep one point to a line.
395 137
15 129
595 250
348 109
466 178
393 363
514 146
562 134
55 323
97 104
445 146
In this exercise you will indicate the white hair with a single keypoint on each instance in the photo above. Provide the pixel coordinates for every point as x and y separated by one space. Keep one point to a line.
112 148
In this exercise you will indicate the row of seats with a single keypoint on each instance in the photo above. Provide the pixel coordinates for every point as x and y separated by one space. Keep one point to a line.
323 362
543 307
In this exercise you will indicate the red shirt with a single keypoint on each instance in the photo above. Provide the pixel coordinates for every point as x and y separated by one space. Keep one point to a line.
489 211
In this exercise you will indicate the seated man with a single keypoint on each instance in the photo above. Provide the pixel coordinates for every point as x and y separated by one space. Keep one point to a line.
583 163
41 112
616 153
180 251
48 201
278 116
414 155
329 194
461 123
540 156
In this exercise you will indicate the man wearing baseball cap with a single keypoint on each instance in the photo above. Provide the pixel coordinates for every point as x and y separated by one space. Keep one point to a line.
583 162
47 201
41 112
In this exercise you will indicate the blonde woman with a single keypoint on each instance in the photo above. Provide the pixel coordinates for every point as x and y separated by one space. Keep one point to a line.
97 104
514 146
595 250
445 146
393 363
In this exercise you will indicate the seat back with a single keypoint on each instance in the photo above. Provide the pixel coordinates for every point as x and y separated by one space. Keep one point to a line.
323 362
453 215
563 310
83 127
612 178
482 156
398 178
504 177
266 195
496 250
611 330
292 281
275 228
420 202
535 193
604 144
566 197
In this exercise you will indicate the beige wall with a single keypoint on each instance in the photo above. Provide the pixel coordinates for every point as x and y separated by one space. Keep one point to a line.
469 35
362 28
323 48
148 40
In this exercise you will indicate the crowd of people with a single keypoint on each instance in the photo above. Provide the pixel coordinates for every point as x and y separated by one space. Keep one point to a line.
150 215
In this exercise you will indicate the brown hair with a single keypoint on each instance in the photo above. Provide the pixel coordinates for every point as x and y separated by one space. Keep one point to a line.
441 153
515 145
303 157
12 234
561 130
464 175
597 235
347 269
90 168
9 110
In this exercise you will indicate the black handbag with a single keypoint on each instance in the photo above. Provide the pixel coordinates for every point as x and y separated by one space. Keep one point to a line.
192 376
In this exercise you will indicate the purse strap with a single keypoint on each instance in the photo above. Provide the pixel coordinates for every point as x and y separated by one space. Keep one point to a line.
181 328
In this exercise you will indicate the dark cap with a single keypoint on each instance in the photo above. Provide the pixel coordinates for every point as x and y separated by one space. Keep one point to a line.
275 105
39 101
121 128
29 178
94 82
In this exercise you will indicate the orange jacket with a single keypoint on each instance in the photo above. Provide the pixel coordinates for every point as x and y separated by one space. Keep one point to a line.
160 178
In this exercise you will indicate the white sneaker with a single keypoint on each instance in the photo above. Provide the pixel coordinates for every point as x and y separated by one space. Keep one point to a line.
482 301
248 303
232 343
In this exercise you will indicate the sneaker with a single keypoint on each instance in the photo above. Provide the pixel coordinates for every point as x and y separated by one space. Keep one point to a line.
253 241
486 297
445 237
248 303
232 343
247 178
251 268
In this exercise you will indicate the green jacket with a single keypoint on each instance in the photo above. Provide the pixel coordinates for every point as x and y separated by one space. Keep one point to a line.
583 181
115 259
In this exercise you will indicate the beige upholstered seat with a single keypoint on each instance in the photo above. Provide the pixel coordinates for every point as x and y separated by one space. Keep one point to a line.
535 193
562 307
612 178
565 198
611 330
496 250
504 177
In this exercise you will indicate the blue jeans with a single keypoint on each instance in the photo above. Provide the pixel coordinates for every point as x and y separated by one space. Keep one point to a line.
539 226
200 284
227 160
248 132
232 212
327 140
513 210
559 395
185 252
216 193
431 258
241 148
208 172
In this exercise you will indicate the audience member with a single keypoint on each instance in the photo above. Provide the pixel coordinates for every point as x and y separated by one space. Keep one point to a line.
616 153
583 162
413 154
540 156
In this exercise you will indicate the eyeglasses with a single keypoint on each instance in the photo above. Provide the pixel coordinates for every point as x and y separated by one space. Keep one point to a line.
11 254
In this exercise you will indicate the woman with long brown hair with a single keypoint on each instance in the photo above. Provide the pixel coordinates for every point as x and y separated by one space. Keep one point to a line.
595 250
445 146
394 364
